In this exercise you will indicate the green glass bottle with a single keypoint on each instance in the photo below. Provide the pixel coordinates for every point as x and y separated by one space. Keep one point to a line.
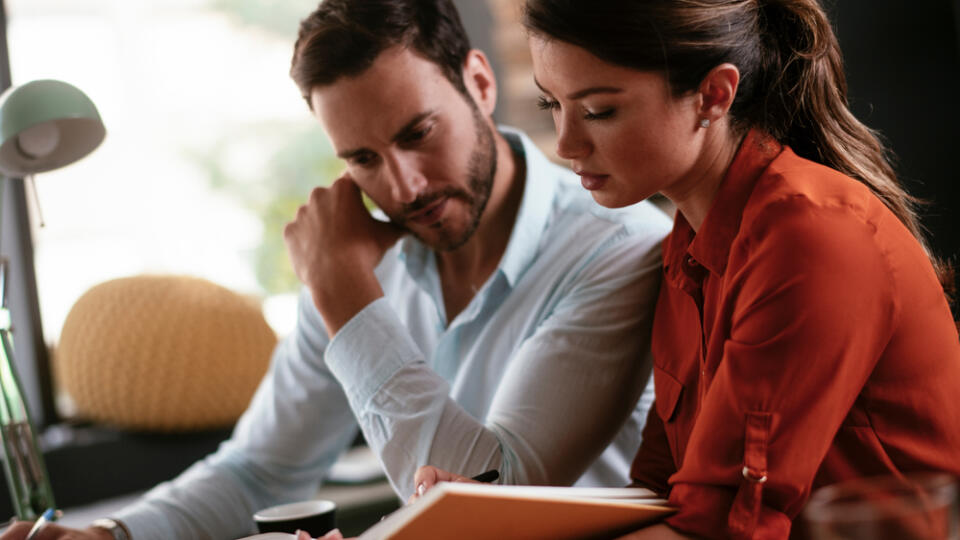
23 463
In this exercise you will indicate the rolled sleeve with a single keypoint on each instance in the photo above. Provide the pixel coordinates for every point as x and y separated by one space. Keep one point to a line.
704 512
370 349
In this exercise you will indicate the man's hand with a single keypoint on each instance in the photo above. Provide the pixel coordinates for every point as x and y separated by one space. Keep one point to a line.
429 476
334 245
19 530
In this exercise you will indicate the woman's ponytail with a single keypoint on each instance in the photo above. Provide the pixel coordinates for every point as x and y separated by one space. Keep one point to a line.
801 98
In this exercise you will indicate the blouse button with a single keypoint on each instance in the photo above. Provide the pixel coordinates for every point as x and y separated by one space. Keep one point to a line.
691 261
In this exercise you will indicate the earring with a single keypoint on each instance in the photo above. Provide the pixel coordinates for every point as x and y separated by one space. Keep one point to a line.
704 123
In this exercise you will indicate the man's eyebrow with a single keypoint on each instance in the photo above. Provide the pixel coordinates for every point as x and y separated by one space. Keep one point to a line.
399 136
580 94
353 152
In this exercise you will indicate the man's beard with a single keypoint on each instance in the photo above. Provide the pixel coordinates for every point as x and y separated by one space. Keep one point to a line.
480 172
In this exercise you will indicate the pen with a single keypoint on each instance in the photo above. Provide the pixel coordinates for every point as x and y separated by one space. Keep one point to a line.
49 516
487 477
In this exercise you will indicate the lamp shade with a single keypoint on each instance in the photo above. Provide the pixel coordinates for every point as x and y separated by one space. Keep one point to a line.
45 125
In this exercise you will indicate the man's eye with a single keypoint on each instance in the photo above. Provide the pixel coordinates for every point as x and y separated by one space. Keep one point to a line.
362 160
545 104
418 134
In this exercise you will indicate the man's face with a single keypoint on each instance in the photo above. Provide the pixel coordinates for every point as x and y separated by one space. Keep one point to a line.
414 144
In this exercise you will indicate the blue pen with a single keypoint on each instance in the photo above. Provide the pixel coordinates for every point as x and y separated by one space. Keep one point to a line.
49 516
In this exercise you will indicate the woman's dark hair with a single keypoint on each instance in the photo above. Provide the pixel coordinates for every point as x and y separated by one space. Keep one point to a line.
342 38
792 83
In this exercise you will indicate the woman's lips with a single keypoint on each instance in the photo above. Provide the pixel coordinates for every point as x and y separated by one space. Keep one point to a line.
431 214
592 181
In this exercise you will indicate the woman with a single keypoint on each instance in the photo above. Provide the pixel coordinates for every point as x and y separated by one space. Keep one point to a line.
801 336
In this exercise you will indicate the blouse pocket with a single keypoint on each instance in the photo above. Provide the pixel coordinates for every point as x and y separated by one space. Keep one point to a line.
668 391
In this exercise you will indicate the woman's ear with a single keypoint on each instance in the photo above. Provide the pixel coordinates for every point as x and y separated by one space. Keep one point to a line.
480 82
717 91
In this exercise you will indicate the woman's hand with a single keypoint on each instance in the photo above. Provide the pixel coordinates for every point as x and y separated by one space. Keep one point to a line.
332 535
429 476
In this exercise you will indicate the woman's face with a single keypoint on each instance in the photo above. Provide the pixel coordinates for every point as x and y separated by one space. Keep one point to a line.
623 131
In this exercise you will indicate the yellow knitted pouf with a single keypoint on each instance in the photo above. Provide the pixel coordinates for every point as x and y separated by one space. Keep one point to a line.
162 353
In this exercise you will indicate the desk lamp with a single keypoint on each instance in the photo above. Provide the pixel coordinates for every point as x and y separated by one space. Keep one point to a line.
44 125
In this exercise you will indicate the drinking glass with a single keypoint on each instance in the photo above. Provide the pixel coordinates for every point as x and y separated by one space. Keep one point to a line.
916 506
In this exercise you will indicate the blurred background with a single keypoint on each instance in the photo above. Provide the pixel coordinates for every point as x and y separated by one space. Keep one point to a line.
210 148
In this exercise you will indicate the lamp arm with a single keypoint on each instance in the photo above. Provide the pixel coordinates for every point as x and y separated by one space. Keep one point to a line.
3 260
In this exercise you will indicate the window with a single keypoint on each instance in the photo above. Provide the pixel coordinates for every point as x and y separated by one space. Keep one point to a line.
209 151
209 146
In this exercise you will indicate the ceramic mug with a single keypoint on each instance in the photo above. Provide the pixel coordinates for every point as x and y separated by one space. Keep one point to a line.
316 517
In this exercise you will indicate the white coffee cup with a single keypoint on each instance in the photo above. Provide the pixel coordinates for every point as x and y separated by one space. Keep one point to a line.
316 517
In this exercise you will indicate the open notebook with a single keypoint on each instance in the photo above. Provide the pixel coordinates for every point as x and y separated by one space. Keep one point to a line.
483 511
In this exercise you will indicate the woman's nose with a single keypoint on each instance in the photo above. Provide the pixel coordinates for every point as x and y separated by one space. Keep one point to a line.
571 141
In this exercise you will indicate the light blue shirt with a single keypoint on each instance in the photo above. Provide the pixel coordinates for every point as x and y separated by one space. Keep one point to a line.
540 376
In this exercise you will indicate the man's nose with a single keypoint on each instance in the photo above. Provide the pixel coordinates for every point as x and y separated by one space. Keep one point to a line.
405 179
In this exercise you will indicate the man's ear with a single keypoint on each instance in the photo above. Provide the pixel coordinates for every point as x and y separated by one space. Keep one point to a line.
717 91
480 82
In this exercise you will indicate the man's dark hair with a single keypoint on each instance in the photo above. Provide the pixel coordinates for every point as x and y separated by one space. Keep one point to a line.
342 38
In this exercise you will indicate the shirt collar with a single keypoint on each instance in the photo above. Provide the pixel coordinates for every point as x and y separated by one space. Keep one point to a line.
710 245
538 194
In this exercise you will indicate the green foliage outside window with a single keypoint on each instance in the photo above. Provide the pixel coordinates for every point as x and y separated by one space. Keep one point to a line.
300 158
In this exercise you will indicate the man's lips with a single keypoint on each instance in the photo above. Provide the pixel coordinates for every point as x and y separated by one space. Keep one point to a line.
429 215
591 180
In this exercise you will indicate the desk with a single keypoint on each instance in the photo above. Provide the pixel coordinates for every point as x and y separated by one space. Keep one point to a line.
360 503
358 506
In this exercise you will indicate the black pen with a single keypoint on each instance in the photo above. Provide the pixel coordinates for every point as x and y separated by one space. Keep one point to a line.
487 477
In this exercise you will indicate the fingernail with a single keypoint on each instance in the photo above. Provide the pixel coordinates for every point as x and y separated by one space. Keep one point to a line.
421 489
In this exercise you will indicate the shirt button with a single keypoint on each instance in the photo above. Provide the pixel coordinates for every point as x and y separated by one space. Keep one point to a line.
691 261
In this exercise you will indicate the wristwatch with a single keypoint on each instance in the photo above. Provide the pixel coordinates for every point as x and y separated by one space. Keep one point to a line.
114 527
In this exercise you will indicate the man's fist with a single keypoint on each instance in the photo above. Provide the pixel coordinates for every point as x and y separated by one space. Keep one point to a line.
334 245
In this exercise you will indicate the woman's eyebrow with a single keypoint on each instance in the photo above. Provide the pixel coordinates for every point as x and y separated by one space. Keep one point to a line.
580 94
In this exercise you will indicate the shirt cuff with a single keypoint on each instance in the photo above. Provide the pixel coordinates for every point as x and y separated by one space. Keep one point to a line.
369 350
704 511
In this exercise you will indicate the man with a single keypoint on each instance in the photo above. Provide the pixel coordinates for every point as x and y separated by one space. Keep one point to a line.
507 329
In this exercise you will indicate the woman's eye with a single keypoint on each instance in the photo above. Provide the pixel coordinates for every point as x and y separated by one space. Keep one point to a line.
545 104
602 115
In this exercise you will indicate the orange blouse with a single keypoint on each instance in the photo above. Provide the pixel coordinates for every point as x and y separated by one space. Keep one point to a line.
801 338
